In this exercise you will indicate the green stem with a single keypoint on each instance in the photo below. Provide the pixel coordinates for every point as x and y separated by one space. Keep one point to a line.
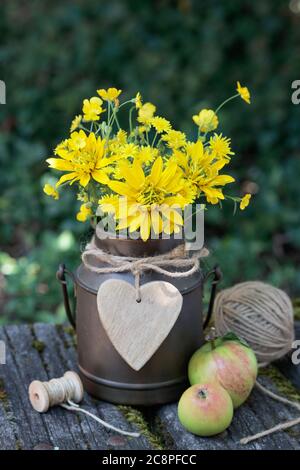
125 102
147 138
225 102
116 119
154 139
108 111
84 128
130 119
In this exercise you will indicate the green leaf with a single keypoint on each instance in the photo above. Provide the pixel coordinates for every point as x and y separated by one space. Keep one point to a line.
231 336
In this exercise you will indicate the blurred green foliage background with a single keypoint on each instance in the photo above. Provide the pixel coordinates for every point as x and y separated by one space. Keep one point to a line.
182 55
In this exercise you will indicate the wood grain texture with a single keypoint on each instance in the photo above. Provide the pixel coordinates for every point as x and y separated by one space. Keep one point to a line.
45 351
137 329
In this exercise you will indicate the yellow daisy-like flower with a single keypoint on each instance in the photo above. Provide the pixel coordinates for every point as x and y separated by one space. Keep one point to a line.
50 191
245 201
118 141
77 140
146 154
76 123
243 92
160 124
84 213
147 200
206 120
121 136
202 171
86 162
220 146
109 95
92 109
128 150
175 139
146 113
138 100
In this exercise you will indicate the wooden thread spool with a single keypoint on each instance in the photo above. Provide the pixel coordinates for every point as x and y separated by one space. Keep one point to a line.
66 392
44 395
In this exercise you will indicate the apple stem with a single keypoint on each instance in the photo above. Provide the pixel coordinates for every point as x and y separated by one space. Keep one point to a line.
211 337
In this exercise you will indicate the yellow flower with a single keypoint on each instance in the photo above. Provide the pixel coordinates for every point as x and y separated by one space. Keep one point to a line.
76 123
206 120
245 201
146 113
109 95
109 203
175 139
92 109
86 162
146 154
77 140
147 200
138 100
128 150
202 171
220 146
243 92
84 213
118 141
121 136
50 191
160 124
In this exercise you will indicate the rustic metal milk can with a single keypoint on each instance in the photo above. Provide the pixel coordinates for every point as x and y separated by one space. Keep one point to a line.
104 373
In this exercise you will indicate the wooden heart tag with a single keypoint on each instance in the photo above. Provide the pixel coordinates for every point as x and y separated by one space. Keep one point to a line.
137 329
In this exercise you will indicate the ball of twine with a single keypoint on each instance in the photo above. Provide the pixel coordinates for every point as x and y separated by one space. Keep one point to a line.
260 314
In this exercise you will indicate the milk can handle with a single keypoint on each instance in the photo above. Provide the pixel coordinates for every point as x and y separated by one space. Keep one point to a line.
61 277
217 276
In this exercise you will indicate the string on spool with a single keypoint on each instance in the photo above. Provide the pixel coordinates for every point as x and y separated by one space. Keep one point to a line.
263 316
67 392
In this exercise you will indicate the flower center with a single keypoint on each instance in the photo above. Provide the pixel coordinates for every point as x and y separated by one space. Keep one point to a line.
151 195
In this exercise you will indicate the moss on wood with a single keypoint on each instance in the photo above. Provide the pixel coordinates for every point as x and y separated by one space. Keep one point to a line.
18 445
135 416
3 394
69 330
38 345
296 305
283 385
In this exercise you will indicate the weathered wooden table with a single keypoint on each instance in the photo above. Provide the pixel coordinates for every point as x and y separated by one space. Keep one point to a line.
45 351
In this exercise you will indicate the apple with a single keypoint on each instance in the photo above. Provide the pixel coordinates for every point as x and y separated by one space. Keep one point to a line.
229 361
205 409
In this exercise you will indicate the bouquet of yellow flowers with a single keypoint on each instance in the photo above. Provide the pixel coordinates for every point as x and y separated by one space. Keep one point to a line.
146 175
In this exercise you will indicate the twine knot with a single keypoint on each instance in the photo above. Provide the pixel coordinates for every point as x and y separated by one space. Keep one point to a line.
176 263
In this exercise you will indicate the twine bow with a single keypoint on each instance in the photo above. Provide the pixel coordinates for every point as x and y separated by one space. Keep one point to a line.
177 258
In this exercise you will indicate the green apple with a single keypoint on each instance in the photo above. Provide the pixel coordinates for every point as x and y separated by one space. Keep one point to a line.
229 361
206 409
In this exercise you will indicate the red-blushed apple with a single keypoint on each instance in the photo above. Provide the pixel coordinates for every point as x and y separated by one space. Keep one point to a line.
229 361
206 409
